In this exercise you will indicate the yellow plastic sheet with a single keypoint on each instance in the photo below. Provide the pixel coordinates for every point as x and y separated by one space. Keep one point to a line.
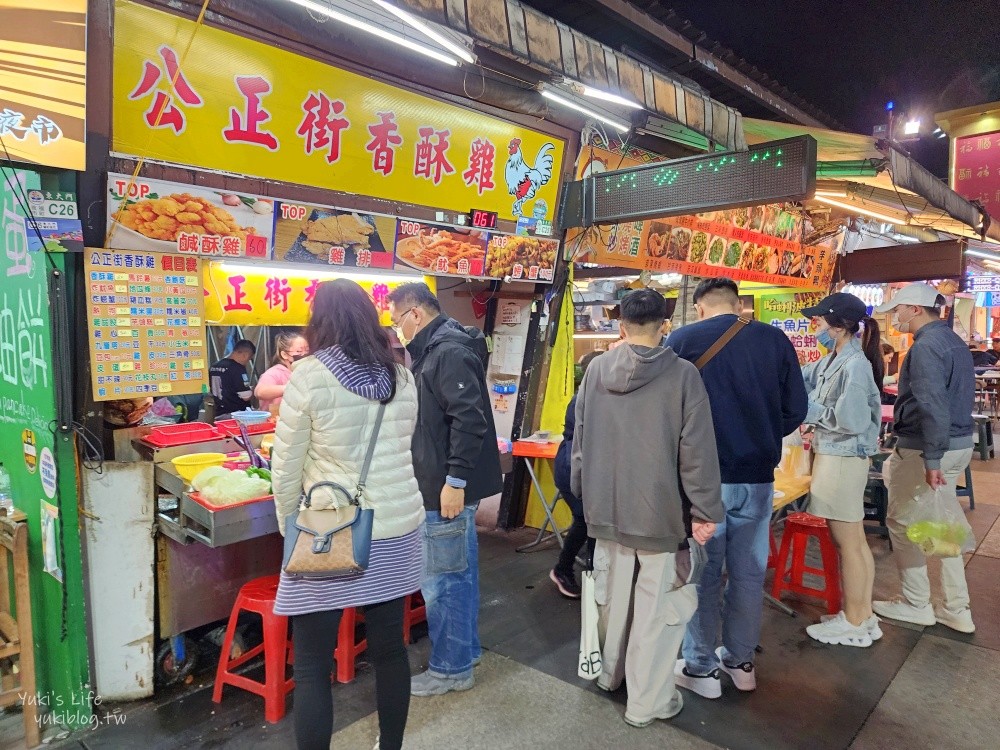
558 393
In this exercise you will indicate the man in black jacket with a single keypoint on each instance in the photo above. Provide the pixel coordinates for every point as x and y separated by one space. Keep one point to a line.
457 464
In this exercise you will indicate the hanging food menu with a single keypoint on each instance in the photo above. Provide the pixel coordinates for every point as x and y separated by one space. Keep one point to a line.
521 258
305 233
145 314
440 250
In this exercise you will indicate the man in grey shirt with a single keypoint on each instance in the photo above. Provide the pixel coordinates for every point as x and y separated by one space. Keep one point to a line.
934 426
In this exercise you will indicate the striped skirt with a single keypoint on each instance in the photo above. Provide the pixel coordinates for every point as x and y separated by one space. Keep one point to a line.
395 570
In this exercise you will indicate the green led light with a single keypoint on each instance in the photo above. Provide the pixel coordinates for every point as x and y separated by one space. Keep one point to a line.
777 165
779 152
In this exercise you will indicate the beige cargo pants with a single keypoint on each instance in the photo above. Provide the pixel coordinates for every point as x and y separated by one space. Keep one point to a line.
644 607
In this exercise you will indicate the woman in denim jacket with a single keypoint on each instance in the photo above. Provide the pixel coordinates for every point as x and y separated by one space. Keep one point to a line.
845 411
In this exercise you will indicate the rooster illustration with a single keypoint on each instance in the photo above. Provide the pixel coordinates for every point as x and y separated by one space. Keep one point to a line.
523 182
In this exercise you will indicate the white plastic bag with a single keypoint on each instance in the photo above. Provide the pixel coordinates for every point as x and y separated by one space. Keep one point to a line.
936 523
590 666
795 459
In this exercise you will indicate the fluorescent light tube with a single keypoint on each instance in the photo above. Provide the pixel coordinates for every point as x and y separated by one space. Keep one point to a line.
370 28
618 125
858 209
428 31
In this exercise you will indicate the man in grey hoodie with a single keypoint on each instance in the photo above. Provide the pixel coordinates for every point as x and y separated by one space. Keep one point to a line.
645 462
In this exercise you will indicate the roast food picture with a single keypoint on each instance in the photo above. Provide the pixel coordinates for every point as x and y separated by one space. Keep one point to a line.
180 213
658 240
529 252
441 250
699 246
680 244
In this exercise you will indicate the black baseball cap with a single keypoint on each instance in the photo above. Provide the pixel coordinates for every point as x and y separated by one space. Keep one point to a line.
841 305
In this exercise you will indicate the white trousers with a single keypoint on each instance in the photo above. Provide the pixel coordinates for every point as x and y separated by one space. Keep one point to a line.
906 482
643 607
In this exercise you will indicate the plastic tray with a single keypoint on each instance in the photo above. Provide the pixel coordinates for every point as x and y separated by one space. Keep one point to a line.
196 496
171 435
231 427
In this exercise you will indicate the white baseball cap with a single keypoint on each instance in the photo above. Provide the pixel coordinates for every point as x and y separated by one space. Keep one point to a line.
918 294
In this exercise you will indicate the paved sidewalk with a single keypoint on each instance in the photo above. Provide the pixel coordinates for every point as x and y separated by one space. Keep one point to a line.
916 688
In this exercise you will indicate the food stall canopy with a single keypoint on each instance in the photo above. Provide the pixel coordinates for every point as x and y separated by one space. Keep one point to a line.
894 185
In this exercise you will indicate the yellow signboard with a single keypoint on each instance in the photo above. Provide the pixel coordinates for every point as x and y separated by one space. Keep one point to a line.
247 295
44 46
241 106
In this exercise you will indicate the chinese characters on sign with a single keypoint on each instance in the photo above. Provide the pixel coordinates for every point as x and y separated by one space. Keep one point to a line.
145 314
782 312
240 106
315 234
166 217
440 250
982 283
976 170
249 298
44 44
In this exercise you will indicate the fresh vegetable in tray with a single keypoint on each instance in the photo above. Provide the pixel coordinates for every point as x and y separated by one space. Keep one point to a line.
255 471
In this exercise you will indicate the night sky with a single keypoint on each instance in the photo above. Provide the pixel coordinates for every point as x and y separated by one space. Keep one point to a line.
928 56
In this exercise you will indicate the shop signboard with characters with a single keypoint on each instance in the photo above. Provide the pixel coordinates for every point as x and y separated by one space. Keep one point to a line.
243 107
783 311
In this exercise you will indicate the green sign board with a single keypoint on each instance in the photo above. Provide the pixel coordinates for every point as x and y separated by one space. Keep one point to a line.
40 462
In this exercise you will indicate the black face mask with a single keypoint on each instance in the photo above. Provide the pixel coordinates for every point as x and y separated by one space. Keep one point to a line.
297 357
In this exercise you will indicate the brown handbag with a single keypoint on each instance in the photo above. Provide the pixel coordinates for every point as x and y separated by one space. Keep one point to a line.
333 541
721 342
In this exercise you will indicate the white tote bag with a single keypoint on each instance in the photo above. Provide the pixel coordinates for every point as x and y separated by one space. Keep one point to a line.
590 639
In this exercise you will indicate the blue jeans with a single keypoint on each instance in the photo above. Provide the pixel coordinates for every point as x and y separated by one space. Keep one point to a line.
451 591
741 543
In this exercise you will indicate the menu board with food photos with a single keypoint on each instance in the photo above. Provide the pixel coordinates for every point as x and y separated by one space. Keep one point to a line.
521 258
146 318
305 233
440 250
758 243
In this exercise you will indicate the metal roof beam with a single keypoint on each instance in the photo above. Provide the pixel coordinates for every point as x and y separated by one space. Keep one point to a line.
715 65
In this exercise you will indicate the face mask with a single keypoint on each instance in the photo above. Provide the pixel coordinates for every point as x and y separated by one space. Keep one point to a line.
903 326
297 357
828 341
399 335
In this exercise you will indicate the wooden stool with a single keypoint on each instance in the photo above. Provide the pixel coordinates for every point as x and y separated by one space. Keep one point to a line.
16 635
798 528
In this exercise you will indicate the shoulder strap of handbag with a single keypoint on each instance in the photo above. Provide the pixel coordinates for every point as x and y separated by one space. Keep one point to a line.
368 456
721 342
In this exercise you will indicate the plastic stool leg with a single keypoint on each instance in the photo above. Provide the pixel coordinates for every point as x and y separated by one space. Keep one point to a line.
344 653
227 649
275 649
800 546
968 485
780 565
407 618
772 550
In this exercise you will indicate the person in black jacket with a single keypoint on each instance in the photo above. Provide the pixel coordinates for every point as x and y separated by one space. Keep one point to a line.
562 574
457 464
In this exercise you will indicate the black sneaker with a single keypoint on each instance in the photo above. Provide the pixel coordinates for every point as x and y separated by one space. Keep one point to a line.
566 583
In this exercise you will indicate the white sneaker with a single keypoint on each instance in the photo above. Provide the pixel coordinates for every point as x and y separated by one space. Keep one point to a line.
744 675
960 621
839 632
676 704
902 610
871 623
706 685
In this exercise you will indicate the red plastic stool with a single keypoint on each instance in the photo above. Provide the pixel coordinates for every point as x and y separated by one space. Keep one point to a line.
414 613
798 528
349 646
258 596
772 550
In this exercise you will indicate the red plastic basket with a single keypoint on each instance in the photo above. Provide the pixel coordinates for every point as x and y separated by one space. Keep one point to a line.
172 435
232 428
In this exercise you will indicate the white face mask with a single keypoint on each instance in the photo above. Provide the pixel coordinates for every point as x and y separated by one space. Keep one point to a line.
903 326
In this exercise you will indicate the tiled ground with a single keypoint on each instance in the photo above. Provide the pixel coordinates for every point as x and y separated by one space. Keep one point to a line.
913 689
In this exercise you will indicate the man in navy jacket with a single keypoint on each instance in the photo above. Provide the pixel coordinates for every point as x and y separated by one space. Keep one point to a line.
757 396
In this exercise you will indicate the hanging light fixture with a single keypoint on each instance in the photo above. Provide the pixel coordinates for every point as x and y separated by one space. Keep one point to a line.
571 101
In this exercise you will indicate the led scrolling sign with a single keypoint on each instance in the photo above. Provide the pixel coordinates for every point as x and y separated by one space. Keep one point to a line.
772 172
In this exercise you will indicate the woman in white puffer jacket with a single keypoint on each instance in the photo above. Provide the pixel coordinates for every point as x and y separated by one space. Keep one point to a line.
326 420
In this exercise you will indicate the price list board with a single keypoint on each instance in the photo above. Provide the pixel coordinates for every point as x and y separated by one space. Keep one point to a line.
145 314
